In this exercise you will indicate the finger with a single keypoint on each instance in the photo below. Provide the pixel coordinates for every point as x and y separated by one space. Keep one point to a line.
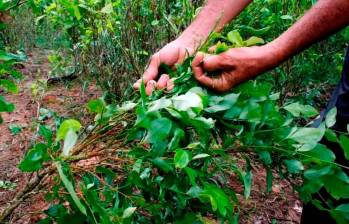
151 72
198 59
212 49
170 85
137 84
183 54
213 63
198 71
150 87
162 83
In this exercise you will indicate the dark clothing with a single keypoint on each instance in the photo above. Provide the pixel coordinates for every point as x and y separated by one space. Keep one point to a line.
340 99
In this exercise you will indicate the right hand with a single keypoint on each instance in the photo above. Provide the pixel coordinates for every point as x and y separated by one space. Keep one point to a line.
172 54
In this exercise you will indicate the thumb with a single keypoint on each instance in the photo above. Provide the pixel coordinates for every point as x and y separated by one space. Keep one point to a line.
151 72
213 63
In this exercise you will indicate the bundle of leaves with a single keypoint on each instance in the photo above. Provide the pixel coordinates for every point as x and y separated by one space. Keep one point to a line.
168 158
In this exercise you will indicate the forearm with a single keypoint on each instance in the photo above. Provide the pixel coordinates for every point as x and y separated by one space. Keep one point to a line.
213 17
322 20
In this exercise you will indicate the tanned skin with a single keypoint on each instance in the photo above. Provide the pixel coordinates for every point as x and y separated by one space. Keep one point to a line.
212 17
240 64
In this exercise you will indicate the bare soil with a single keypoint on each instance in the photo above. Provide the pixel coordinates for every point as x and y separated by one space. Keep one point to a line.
67 100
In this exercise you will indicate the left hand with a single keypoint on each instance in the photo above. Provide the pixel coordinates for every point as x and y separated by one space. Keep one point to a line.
234 66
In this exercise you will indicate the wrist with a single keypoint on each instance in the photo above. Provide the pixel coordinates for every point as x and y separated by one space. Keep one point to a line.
191 40
273 55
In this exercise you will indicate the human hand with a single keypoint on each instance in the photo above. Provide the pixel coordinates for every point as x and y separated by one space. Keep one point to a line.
234 66
172 54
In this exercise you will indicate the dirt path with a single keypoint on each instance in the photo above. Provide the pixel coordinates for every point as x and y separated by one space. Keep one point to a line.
67 101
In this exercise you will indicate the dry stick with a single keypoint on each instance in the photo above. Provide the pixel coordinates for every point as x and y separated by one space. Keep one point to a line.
37 182
22 195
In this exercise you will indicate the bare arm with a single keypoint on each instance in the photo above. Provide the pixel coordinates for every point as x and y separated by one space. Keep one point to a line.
213 16
324 19
241 64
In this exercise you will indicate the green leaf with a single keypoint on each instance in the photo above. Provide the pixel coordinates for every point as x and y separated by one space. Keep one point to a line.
286 17
201 156
181 158
252 41
217 198
245 177
74 125
314 174
341 213
5 106
177 137
187 101
221 47
107 9
96 106
192 174
265 157
297 109
331 117
46 133
162 164
159 104
336 186
331 136
15 129
128 212
144 97
320 154
235 38
159 129
9 86
194 191
294 166
344 142
307 135
34 159
269 179
70 140
5 56
69 186
155 22
224 104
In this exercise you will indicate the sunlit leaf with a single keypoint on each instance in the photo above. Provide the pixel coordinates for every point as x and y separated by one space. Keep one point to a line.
107 9
294 166
252 41
331 117
70 140
96 106
181 158
69 186
201 156
307 135
235 38
217 198
72 124
128 212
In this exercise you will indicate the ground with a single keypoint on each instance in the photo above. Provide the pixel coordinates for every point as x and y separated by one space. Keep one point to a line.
281 205
66 100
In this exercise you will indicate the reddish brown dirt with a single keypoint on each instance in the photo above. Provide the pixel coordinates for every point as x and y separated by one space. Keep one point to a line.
281 205
67 101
